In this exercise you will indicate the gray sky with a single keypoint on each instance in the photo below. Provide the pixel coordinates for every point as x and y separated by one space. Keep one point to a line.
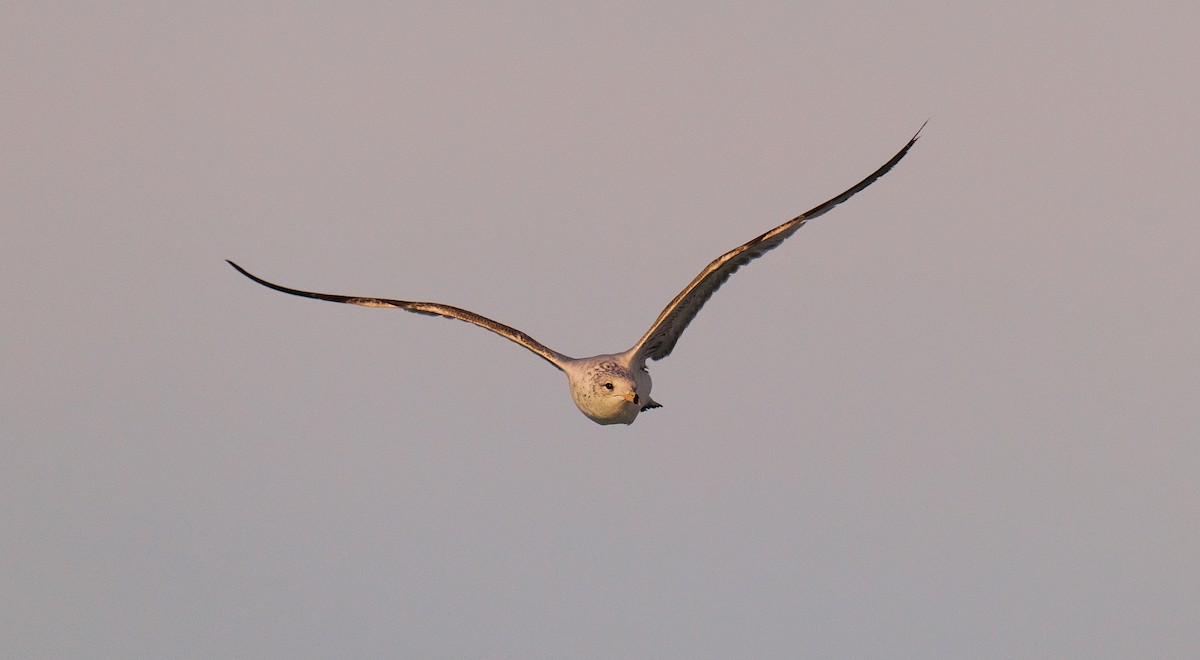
956 417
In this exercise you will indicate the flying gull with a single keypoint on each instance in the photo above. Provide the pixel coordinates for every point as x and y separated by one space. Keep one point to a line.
614 388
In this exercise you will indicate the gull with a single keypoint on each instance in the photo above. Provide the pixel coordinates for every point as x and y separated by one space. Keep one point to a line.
613 388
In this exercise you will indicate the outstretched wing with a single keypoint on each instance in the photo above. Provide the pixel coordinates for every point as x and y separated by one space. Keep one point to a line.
662 335
434 309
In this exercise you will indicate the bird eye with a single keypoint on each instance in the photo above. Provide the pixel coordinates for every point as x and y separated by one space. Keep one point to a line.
608 386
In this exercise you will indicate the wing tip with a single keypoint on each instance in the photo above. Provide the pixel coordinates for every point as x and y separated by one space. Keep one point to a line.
916 136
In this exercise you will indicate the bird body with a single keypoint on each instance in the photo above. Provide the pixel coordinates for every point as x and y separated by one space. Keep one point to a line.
614 388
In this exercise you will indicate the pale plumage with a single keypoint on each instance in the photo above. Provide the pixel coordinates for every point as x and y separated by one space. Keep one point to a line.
613 389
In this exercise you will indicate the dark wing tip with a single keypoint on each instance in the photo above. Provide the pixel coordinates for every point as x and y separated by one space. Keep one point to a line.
260 280
828 205
295 292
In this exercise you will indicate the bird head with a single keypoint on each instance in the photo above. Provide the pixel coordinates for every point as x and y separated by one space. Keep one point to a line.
605 391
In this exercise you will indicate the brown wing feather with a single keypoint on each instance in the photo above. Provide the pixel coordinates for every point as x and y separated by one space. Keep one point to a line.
660 339
430 308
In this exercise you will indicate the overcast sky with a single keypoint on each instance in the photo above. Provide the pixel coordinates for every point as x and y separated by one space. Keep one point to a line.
956 417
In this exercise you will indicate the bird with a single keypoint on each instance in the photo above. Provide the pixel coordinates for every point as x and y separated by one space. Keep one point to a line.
614 387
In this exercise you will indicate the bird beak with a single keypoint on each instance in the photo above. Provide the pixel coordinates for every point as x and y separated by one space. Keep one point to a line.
631 397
